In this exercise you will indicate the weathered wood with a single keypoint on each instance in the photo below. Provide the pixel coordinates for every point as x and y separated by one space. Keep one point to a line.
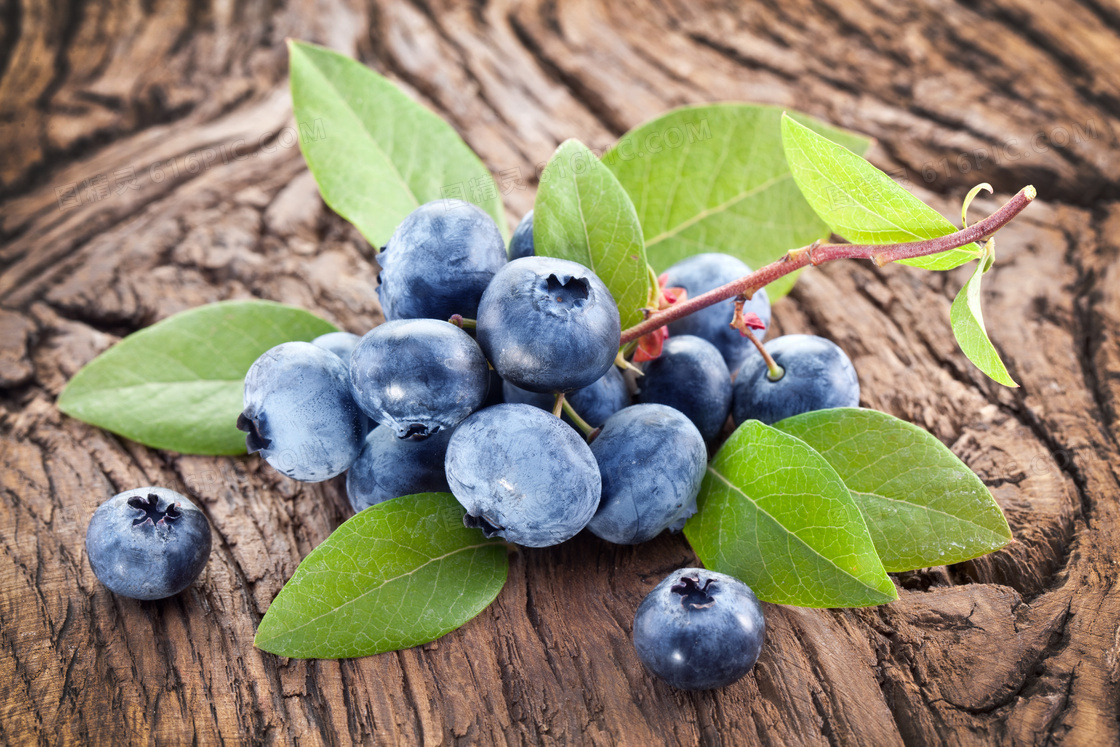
1021 647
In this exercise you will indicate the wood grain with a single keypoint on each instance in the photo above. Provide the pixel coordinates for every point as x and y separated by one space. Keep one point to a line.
1020 647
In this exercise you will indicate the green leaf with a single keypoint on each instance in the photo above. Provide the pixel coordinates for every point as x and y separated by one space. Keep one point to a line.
713 179
981 187
375 153
584 215
396 575
775 514
968 325
923 505
860 202
178 384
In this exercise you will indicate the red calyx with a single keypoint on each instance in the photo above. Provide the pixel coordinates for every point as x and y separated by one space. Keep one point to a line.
649 345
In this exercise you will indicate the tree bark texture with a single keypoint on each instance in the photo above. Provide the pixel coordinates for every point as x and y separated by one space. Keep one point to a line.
1020 647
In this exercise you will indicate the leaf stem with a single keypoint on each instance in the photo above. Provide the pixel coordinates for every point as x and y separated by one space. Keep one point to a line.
818 254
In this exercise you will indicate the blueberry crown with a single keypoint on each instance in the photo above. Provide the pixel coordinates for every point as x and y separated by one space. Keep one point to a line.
693 595
489 529
151 510
255 441
571 290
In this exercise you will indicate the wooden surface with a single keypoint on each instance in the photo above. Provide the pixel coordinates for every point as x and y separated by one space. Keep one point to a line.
1021 647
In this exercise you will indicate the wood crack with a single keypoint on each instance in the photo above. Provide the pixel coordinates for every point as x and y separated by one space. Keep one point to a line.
580 91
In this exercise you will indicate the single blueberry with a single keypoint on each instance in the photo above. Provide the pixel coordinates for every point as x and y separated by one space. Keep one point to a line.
390 467
439 261
299 413
651 459
341 344
148 543
818 375
701 273
690 376
594 403
521 244
548 325
523 475
699 629
418 376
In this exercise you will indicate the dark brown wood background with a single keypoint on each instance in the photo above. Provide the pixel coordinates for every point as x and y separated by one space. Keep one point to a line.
1021 647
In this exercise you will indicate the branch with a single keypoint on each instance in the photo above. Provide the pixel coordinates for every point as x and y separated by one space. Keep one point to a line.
818 254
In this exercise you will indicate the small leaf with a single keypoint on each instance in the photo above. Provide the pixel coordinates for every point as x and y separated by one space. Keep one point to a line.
396 575
982 187
923 505
380 154
860 202
713 179
178 384
774 513
584 215
968 325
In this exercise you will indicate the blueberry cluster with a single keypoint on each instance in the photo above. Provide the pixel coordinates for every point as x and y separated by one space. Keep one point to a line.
809 372
460 388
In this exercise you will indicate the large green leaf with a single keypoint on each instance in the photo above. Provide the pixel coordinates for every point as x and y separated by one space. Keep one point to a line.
860 202
375 153
968 324
774 513
922 504
178 384
583 214
713 179
396 575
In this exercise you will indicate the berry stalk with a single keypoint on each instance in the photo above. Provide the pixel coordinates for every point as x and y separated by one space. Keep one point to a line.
818 254
775 372
586 428
462 323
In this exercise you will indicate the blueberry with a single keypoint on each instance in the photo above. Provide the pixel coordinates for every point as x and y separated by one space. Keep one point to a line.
390 467
522 474
418 376
690 375
594 403
521 244
439 261
701 273
548 325
299 413
818 375
148 543
652 460
341 344
699 629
